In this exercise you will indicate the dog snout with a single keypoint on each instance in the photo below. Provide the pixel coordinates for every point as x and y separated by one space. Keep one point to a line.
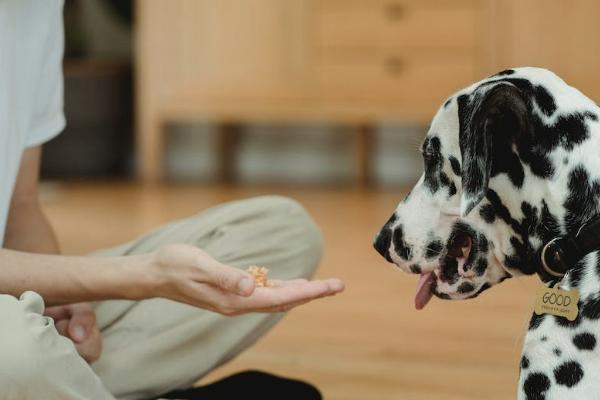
382 243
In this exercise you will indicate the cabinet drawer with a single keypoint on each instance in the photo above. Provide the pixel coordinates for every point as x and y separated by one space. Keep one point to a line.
421 74
385 23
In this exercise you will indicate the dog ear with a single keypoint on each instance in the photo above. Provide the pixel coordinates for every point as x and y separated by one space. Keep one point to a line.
491 113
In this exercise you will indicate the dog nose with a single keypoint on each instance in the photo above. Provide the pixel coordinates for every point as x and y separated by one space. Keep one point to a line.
382 243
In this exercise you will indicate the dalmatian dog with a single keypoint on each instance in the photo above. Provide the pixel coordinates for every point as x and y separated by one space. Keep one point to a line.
510 163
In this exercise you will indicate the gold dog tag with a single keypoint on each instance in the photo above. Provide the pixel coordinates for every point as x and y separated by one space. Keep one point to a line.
555 301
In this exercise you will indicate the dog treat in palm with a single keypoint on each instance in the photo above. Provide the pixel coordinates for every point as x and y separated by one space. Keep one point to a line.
260 276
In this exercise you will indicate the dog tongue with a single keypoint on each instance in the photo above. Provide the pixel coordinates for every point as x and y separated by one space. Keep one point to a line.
424 293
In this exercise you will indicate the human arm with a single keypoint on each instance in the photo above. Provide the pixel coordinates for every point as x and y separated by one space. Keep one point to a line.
27 228
179 272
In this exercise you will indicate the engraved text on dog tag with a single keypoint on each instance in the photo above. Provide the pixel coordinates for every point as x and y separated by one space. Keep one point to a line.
555 301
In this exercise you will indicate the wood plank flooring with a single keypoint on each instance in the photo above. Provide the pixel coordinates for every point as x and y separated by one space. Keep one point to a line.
368 343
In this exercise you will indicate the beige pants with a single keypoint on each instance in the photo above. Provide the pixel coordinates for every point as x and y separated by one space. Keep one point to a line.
155 346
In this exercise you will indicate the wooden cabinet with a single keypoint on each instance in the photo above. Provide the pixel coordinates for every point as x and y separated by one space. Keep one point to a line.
557 34
342 61
386 52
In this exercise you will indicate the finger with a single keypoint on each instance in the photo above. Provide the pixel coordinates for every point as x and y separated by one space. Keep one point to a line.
62 327
284 308
274 297
91 348
334 285
290 306
81 324
58 312
227 278
279 282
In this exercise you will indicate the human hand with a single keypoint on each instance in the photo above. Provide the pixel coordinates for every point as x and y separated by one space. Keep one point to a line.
78 323
189 275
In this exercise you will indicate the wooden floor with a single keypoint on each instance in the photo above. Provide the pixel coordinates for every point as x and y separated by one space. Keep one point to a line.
368 343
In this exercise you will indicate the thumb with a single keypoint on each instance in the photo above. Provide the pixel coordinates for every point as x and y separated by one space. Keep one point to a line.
80 326
228 278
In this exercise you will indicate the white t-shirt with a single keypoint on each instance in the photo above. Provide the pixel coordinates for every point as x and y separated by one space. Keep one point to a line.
31 84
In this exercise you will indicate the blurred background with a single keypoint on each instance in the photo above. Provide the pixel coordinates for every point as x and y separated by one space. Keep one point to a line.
296 91
174 106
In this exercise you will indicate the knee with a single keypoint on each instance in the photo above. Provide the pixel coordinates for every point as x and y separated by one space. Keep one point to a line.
299 235
24 364
20 351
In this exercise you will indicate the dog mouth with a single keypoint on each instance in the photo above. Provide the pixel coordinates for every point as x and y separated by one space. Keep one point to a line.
453 265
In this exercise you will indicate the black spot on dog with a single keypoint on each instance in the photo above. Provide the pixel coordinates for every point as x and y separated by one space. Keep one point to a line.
540 94
451 189
443 296
535 321
524 362
455 165
393 218
449 271
568 131
584 341
535 386
481 266
447 103
529 222
487 213
535 222
505 72
435 178
544 338
575 274
544 100
500 210
548 227
482 243
415 268
483 287
403 249
433 249
465 287
590 308
568 374
582 201
444 180
433 161
565 323
557 352
525 258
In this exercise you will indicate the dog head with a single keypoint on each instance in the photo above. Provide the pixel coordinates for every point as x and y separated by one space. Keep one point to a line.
498 167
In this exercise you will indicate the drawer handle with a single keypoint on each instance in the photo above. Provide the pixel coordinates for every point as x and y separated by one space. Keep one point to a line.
394 11
394 66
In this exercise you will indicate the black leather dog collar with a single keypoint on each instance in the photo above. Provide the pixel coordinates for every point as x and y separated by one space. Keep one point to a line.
560 254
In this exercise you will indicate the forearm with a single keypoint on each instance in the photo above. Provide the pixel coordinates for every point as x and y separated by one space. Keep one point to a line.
28 230
64 279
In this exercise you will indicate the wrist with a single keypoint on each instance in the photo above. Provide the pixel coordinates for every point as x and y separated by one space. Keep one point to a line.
142 277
